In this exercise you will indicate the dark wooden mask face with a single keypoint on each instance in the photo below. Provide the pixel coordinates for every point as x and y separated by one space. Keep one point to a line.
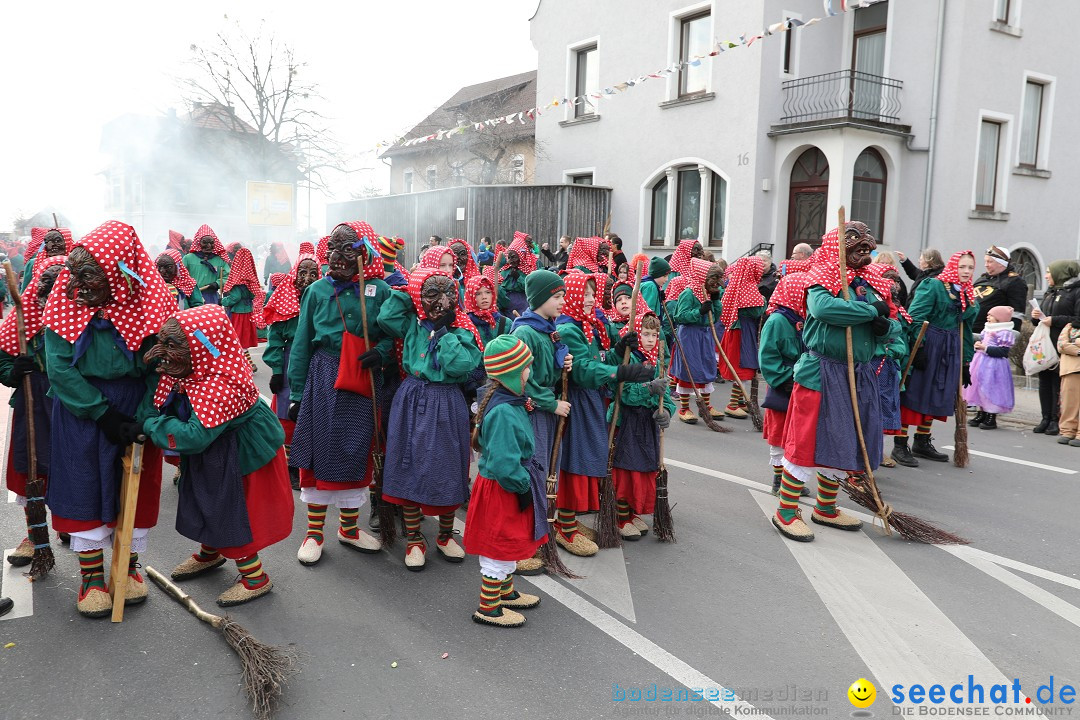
88 286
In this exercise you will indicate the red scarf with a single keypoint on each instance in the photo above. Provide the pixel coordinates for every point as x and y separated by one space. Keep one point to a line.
574 307
790 292
583 254
825 271
9 331
373 269
243 273
697 272
183 280
196 242
471 286
680 259
461 318
742 288
651 356
522 247
950 277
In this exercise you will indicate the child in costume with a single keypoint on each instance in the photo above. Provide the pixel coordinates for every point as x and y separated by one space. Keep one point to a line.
743 307
536 328
99 326
595 368
234 499
890 356
171 267
281 315
480 304
427 445
652 290
589 255
243 299
208 264
519 263
644 411
620 307
327 348
507 519
13 368
991 386
696 303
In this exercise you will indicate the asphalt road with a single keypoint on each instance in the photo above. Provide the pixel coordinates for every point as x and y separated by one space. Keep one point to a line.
731 608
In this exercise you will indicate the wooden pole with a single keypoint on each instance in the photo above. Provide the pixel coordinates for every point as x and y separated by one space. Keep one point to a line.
125 527
914 349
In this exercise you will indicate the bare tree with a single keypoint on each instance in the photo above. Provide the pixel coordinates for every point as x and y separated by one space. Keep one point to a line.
255 84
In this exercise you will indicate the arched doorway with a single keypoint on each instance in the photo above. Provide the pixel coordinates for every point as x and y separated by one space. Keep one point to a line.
808 197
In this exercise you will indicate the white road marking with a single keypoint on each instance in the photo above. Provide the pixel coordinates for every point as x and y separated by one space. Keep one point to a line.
17 587
1041 466
604 578
901 635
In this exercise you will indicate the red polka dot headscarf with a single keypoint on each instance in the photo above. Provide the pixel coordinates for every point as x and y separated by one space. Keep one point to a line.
472 285
461 318
243 273
675 287
651 356
583 253
284 304
322 252
790 292
471 268
176 241
220 386
742 288
9 330
373 268
203 231
680 259
433 256
140 301
949 276
574 307
521 246
696 273
307 248
825 268
37 239
183 280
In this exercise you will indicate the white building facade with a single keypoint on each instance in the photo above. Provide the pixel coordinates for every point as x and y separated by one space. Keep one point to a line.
941 123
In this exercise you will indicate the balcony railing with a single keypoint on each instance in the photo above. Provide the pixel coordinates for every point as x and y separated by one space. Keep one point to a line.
842 95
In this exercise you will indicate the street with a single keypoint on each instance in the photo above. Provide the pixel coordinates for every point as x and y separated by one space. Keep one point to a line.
760 625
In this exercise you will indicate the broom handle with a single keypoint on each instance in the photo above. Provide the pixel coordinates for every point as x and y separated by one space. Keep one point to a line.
914 349
724 357
624 360
183 598
28 395
125 526
375 439
553 472
660 403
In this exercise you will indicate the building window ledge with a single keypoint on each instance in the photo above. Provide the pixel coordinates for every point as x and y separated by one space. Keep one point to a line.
583 120
1006 29
1031 172
688 100
987 215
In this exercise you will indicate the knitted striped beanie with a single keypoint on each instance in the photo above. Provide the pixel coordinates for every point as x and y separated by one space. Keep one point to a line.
505 359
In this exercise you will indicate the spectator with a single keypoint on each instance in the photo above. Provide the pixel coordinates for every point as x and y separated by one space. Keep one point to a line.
557 259
802 251
1060 306
617 255
434 240
930 265
1000 285
484 256
886 258
769 277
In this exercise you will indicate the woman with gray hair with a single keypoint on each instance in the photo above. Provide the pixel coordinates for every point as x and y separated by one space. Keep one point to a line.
930 264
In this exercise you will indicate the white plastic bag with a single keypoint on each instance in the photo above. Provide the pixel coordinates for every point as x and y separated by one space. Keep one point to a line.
1040 353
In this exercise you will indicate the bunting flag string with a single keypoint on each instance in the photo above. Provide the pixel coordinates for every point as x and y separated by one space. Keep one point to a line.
831 8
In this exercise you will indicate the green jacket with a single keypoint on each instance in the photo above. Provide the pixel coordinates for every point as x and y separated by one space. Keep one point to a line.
779 348
540 387
508 285
940 306
202 275
638 395
37 349
687 309
457 352
279 336
195 299
258 435
506 437
239 299
590 369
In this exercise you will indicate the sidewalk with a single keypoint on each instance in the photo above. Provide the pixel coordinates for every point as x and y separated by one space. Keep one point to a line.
1026 412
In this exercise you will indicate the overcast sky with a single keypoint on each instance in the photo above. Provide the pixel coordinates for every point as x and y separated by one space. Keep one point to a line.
72 66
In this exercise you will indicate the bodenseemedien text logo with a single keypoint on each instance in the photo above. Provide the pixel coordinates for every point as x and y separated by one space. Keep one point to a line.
1001 699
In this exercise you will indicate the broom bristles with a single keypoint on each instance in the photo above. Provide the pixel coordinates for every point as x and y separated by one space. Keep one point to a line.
663 524
706 415
266 668
607 526
755 408
37 531
908 526
960 435
549 553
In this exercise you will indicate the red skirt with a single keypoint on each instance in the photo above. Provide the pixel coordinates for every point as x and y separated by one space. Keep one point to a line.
429 510
146 505
800 426
773 430
308 479
495 527
269 500
580 493
16 481
637 488
912 418
245 329
731 343
286 424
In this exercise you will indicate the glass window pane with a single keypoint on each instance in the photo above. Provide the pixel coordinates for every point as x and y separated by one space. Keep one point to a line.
986 174
695 41
868 165
719 207
588 80
867 204
1029 123
1002 11
659 212
688 204
870 17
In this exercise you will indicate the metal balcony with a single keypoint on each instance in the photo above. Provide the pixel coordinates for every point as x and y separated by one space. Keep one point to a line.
845 96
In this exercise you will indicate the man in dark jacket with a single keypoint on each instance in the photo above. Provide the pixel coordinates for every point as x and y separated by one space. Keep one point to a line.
557 260
1000 285
1060 306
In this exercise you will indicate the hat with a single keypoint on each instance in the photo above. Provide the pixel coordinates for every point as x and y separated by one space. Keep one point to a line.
388 250
998 255
621 289
659 267
540 285
505 359
1001 313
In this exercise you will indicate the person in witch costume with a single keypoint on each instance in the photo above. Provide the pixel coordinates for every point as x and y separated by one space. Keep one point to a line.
322 254
281 314
702 295
520 262
820 425
109 301
652 290
171 267
589 255
584 459
54 242
327 352
480 302
942 360
619 315
645 410
427 445
536 328
507 518
780 349
465 264
679 264
13 368
244 297
743 307
234 497
208 264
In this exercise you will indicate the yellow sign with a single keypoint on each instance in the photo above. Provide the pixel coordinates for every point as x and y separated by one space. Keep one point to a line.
862 693
270 203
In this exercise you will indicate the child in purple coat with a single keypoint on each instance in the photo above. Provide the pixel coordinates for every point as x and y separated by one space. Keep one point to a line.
991 387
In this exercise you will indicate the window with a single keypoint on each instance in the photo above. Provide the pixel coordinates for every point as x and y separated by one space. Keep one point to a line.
180 192
1031 123
1001 11
868 192
688 204
717 226
406 181
788 67
587 80
583 179
432 177
696 197
517 169
658 235
694 39
1027 266
987 167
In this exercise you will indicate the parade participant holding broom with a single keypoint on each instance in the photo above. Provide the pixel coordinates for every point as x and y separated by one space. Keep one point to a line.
243 297
697 302
208 264
234 496
941 363
330 400
427 448
171 267
99 328
743 306
506 521
816 433
22 366
282 314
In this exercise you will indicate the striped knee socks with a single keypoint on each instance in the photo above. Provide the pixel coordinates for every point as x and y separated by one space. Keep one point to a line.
622 511
446 527
924 427
92 569
684 401
133 565
826 495
252 571
490 594
316 518
412 515
347 517
206 554
790 489
566 522
508 591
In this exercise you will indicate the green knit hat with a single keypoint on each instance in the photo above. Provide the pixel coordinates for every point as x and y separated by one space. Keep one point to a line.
540 285
505 358
658 267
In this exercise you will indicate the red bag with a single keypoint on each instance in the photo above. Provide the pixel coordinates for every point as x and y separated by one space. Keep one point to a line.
351 377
